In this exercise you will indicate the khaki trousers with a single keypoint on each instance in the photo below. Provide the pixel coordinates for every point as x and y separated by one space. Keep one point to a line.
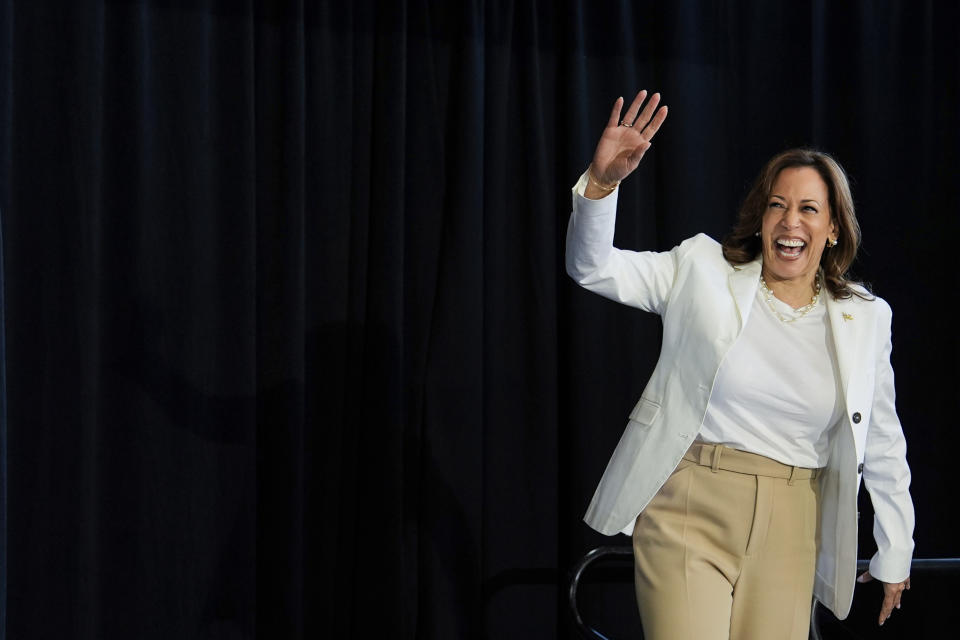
727 549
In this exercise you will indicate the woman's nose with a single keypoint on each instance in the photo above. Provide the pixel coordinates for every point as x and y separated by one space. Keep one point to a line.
791 219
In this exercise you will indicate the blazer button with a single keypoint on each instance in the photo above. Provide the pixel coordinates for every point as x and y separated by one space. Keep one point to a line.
860 468
856 417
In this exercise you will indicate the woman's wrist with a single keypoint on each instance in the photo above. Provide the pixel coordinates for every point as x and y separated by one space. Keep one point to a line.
597 189
593 178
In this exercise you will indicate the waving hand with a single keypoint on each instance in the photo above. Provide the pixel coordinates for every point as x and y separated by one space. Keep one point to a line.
624 142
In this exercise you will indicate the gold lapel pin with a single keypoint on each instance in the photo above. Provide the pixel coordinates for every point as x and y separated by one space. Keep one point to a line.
847 316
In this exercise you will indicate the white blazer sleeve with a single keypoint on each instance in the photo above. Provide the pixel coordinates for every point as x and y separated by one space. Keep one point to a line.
639 279
885 472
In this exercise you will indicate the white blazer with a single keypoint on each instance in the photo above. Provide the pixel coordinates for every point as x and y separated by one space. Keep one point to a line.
704 302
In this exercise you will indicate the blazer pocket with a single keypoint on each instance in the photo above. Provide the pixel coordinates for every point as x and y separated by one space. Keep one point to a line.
645 412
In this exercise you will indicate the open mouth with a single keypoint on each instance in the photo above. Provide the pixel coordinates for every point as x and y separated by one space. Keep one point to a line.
790 247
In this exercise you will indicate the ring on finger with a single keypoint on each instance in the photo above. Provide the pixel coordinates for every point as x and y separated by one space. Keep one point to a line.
624 124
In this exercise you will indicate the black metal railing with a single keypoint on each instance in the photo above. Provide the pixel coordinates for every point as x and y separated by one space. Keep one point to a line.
624 554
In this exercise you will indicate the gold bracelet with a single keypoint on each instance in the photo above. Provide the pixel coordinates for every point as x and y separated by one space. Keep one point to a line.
597 182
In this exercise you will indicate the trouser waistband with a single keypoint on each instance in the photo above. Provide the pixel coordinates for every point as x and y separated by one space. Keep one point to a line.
718 456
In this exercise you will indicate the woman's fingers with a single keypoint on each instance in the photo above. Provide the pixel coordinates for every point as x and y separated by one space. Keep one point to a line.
647 121
631 115
624 141
615 113
647 113
891 599
654 126
886 609
892 592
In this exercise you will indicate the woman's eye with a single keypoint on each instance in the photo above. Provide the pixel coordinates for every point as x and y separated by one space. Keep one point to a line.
776 204
810 209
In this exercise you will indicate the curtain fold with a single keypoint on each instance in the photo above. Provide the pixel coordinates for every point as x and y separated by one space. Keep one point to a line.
292 352
3 449
6 46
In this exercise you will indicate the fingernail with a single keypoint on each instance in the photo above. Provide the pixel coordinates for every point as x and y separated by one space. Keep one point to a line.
898 606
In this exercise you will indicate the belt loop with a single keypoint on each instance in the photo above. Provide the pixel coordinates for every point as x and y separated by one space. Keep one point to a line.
715 464
793 473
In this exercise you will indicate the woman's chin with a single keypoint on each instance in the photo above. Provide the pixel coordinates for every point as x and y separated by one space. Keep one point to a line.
800 274
786 268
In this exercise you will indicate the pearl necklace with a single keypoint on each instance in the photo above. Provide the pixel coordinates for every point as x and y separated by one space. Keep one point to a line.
802 311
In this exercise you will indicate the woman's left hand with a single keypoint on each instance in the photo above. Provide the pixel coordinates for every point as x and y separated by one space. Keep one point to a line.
891 594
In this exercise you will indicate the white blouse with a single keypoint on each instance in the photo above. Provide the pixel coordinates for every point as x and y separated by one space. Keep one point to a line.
777 391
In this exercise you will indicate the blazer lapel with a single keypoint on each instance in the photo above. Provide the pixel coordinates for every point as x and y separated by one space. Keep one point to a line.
743 282
844 335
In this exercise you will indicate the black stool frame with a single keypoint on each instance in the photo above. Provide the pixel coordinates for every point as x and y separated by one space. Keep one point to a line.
626 553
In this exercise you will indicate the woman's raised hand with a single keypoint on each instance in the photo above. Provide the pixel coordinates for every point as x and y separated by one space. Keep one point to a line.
624 142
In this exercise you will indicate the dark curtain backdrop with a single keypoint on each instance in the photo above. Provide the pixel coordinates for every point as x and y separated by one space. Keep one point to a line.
290 348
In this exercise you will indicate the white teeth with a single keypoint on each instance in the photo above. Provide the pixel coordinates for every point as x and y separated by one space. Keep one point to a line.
791 243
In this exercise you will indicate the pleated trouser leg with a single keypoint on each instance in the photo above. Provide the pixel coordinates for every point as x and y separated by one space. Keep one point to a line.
726 555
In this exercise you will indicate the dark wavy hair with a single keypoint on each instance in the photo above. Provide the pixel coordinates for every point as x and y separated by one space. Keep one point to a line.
742 245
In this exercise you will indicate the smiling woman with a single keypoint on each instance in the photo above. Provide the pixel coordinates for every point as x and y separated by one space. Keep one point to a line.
802 191
797 227
738 472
